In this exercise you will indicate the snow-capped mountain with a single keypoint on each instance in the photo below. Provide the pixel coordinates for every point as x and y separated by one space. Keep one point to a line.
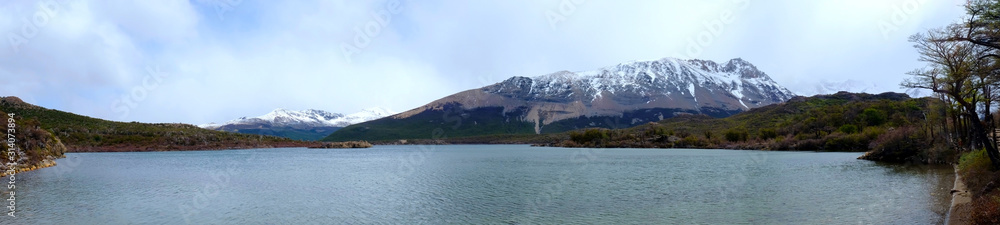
281 121
619 96
736 85
671 85
306 118
364 115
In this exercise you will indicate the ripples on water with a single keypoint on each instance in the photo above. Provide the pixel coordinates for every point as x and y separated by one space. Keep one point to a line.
496 184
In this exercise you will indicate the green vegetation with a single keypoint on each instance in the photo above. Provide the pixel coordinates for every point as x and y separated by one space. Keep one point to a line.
737 135
452 122
873 117
86 134
34 147
890 123
973 162
848 129
768 134
589 136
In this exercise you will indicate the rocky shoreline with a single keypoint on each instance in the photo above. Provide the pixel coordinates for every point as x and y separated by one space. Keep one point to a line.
42 164
199 147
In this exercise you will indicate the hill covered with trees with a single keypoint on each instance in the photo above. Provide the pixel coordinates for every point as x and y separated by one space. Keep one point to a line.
85 134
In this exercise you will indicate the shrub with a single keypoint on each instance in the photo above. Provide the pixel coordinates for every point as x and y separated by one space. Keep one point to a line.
975 160
873 133
848 129
692 141
810 144
939 153
576 137
905 144
767 134
874 117
821 134
589 136
976 171
736 135
846 142
783 143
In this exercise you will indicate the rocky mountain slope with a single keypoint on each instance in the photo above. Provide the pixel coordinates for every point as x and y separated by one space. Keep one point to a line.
618 96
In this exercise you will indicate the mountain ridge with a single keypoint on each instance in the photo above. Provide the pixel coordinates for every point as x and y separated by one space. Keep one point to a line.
643 91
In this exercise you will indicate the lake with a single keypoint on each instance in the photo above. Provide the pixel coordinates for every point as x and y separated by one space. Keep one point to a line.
480 184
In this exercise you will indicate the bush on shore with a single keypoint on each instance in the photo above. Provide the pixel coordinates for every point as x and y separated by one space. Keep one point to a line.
909 144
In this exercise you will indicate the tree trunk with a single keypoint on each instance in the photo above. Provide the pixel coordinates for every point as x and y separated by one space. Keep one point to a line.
980 136
956 126
992 129
990 149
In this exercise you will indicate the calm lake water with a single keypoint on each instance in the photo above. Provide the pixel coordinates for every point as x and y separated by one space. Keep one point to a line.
480 184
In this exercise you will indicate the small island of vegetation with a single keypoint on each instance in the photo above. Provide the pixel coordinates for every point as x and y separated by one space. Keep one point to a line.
345 144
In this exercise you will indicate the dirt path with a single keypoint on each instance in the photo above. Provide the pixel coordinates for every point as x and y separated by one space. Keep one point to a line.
960 202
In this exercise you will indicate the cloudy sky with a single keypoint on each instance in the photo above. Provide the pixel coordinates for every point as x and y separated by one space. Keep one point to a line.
206 61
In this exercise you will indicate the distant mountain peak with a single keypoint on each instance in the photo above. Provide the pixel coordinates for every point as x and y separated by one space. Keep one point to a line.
305 118
671 84
831 87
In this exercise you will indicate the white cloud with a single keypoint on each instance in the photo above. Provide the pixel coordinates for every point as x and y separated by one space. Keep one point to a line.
252 57
162 21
